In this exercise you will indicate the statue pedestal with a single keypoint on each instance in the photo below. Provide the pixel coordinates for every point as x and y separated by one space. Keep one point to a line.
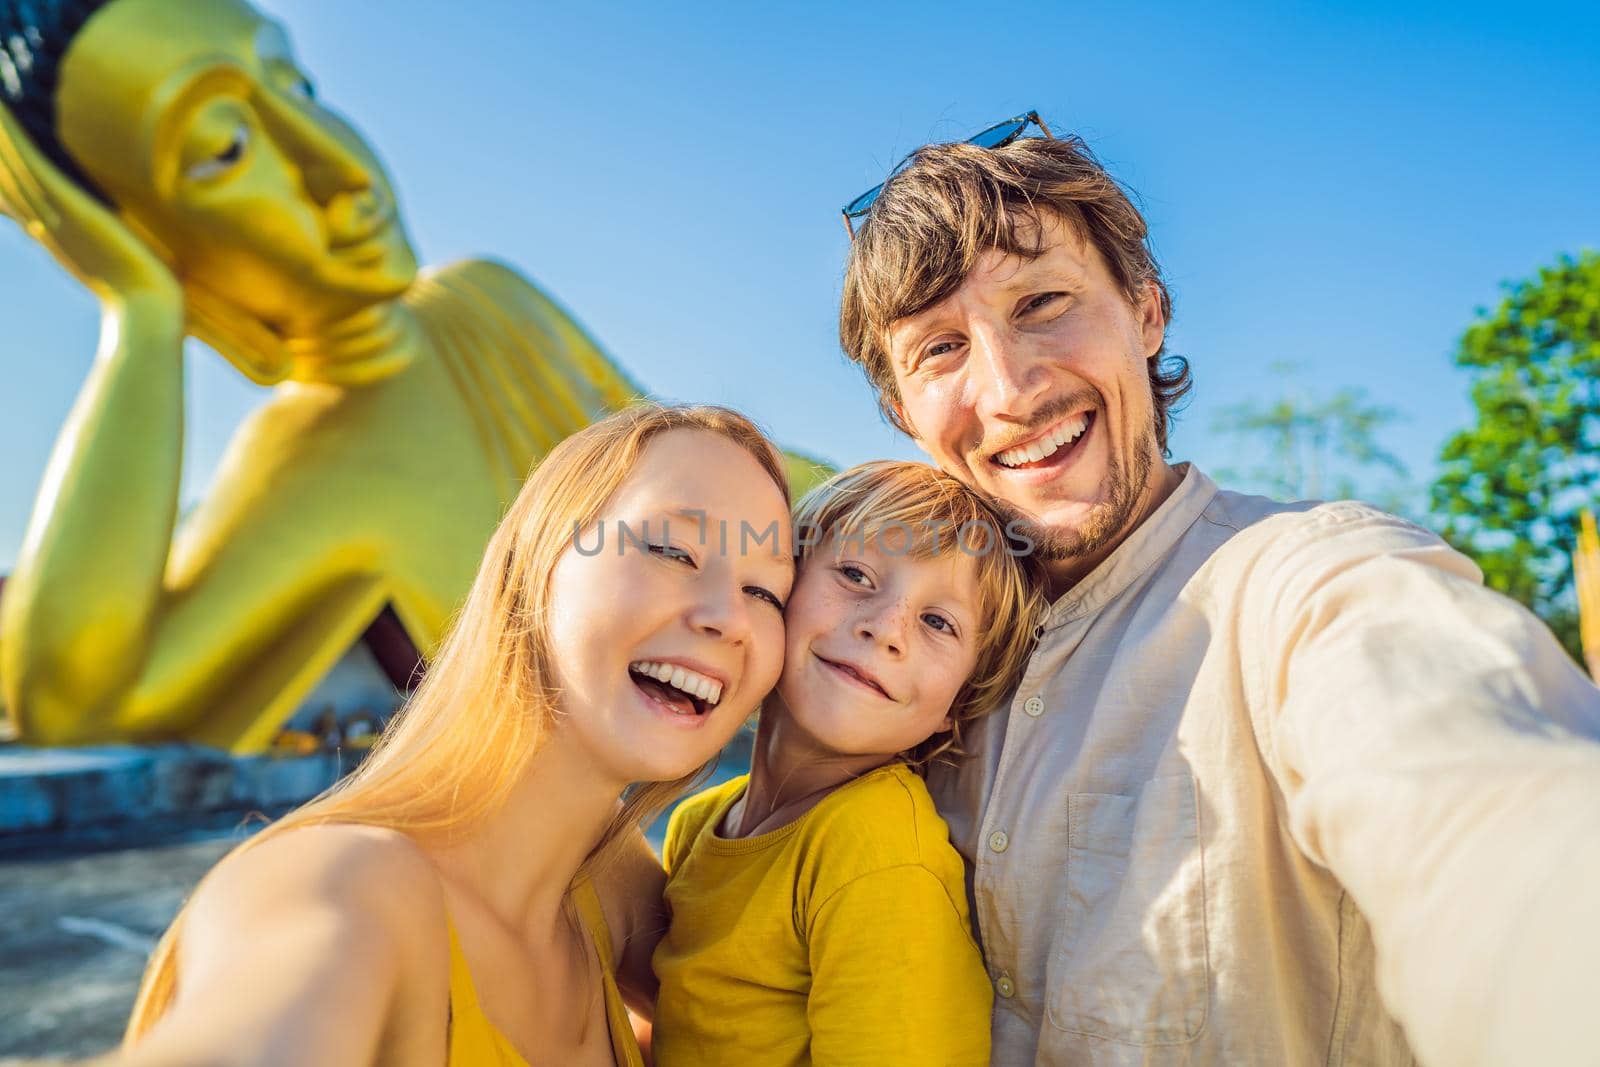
52 795
133 795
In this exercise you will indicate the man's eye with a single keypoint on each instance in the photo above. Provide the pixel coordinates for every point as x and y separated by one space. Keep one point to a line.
942 348
226 158
938 622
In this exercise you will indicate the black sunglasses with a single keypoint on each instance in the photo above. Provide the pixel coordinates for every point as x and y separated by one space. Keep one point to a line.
997 136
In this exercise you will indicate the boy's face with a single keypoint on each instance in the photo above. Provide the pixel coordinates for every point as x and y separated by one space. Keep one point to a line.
879 644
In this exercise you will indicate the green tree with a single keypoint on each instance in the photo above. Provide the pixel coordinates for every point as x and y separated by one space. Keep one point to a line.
1511 485
1310 447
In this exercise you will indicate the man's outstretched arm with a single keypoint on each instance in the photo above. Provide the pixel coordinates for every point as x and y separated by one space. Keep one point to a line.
1437 752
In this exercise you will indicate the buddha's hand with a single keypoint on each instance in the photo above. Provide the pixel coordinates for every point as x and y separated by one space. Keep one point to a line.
83 234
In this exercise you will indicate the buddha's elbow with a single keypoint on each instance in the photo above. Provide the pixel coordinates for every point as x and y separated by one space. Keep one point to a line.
44 711
58 699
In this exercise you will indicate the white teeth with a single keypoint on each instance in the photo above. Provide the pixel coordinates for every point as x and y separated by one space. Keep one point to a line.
692 682
1066 433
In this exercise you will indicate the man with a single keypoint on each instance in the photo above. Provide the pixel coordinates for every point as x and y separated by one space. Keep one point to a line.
1284 784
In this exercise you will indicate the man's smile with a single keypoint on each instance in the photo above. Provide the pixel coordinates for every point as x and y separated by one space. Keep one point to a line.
1044 446
1045 459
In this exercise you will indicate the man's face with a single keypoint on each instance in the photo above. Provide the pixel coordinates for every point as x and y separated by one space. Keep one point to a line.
1030 383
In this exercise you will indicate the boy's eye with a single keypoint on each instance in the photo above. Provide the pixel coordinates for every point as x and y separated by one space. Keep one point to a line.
855 575
938 622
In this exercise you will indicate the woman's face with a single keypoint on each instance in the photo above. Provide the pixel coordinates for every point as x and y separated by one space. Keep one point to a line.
196 120
666 620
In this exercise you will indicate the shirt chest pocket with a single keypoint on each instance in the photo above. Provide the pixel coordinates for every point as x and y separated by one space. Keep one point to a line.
1129 961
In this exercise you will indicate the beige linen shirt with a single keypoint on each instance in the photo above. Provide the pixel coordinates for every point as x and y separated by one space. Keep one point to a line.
1284 784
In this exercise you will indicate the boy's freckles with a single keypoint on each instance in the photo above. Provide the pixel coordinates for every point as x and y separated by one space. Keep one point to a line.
879 645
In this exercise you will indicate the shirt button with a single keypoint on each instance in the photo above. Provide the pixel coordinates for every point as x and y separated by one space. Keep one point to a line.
1004 986
998 840
1034 707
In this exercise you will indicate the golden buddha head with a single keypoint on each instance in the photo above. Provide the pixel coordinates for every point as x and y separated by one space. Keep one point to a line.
193 120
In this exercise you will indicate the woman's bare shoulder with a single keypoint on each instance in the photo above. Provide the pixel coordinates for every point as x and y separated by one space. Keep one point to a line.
365 878
338 933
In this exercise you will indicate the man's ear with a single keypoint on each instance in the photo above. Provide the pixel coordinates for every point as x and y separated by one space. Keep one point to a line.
904 421
1152 321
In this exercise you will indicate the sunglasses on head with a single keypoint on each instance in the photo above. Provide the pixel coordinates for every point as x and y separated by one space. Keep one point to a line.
997 136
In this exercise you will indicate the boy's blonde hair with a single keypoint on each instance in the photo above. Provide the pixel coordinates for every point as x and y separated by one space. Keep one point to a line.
927 514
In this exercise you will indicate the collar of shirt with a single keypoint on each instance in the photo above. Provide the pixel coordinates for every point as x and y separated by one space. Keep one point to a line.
1143 548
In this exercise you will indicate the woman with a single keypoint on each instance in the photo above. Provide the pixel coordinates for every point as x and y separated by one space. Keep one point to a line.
606 640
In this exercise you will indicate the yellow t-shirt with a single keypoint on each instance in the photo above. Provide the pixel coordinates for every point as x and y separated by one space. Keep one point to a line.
842 938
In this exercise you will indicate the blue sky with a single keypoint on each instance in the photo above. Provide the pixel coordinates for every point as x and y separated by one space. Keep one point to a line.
1336 186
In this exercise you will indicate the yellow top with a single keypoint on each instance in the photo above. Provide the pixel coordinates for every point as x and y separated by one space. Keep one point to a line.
474 1042
842 937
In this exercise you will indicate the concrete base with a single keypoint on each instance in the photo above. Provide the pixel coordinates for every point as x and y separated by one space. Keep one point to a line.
58 791
54 797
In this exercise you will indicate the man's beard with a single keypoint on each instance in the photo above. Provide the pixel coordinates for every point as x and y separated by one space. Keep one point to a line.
1105 522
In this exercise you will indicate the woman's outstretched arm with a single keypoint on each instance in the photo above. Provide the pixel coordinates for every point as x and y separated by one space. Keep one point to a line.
315 948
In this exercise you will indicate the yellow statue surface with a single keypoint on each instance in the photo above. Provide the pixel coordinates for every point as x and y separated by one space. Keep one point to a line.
197 187
1586 575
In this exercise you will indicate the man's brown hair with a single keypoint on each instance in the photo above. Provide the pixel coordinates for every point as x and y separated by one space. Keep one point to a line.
950 204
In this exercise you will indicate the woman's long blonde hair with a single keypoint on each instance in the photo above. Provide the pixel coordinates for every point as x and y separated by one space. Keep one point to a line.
452 755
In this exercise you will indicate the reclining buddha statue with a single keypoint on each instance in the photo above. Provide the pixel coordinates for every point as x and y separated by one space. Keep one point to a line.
173 156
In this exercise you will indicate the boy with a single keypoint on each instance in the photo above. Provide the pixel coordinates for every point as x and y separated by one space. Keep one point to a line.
819 912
